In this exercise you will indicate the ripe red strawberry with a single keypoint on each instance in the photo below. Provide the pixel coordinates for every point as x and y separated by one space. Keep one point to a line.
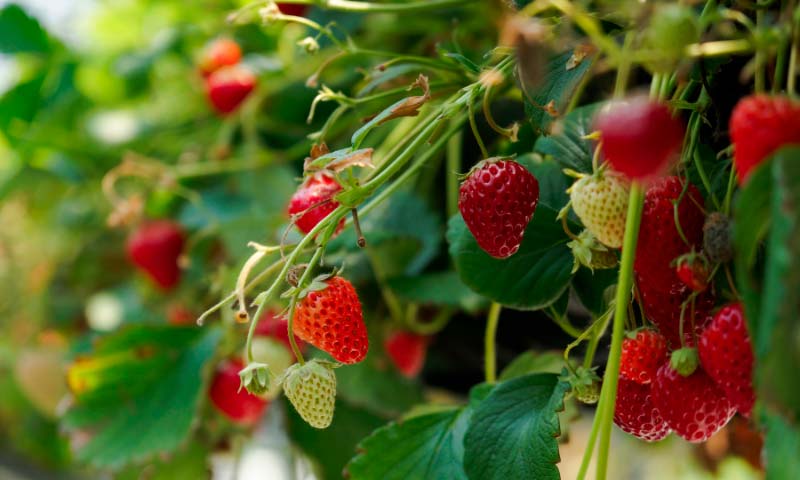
154 248
692 270
228 87
407 351
292 9
693 406
635 412
642 354
660 242
179 315
331 320
727 356
497 200
236 403
760 125
222 52
640 137
315 198
663 309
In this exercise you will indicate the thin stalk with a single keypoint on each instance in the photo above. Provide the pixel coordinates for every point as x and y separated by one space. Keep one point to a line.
489 357
791 78
760 58
563 322
624 286
475 132
452 169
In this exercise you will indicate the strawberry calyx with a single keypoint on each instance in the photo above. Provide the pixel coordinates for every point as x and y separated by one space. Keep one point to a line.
585 384
685 361
482 163
693 270
256 378
589 252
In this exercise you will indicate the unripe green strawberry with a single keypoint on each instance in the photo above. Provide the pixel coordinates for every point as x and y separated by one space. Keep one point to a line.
276 356
585 385
312 390
601 202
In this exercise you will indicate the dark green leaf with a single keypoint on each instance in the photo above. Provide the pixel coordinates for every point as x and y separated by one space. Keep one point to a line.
533 362
782 444
440 288
533 278
559 85
568 147
21 33
138 392
595 289
425 446
553 183
513 432
777 327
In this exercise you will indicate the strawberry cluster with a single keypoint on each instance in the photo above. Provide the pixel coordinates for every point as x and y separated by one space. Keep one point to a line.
227 82
692 372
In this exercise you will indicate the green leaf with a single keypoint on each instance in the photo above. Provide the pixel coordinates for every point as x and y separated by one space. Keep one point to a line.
568 147
553 183
426 445
777 327
533 278
595 289
465 62
513 432
440 288
533 362
21 33
559 85
750 227
188 463
782 444
138 392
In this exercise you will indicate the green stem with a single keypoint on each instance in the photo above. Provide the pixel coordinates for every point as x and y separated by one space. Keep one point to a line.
452 169
587 453
624 67
475 132
624 286
563 322
489 357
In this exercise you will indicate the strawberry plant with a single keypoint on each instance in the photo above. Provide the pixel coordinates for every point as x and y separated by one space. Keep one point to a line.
401 239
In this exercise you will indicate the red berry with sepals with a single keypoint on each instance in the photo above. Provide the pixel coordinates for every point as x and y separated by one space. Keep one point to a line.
154 248
640 137
692 270
228 87
660 241
759 126
642 354
690 402
635 412
330 318
663 309
313 201
727 356
236 403
407 351
497 200
222 52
